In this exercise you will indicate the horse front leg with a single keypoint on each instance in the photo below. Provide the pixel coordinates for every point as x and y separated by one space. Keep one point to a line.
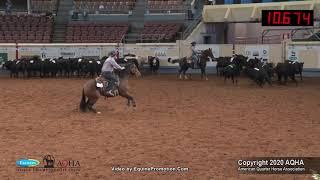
179 73
217 69
184 75
129 98
204 74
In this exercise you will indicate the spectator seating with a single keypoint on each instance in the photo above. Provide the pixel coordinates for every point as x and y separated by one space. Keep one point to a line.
39 6
25 29
104 6
85 32
160 32
164 6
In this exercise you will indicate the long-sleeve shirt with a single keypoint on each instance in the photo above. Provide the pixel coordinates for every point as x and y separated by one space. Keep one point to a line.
194 51
110 64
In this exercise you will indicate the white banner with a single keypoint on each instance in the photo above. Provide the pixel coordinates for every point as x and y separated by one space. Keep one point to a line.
65 52
257 51
293 51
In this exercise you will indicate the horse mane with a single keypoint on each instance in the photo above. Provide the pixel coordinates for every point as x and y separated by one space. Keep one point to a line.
124 72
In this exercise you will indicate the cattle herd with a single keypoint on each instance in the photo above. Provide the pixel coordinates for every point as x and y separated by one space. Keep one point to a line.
68 68
72 67
257 70
228 67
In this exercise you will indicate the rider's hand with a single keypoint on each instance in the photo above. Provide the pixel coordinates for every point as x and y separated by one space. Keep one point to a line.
122 68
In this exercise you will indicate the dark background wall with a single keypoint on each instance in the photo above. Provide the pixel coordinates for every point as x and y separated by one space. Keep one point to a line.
16 4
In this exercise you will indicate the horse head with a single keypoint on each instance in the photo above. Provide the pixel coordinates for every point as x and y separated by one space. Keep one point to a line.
132 69
207 54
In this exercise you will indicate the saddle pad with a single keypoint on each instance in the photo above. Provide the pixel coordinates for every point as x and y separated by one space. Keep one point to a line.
90 62
98 62
31 61
99 85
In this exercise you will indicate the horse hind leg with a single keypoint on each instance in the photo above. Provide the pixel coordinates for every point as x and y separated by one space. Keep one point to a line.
90 105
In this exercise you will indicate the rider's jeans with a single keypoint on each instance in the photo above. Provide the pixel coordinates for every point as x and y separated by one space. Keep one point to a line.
109 76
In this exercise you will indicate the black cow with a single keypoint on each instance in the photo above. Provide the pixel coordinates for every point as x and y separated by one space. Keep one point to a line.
222 62
300 65
253 63
99 64
20 66
154 64
260 76
268 68
231 71
49 68
285 70
33 66
9 65
91 67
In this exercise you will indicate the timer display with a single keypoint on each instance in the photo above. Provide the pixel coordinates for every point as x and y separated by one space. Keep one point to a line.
287 18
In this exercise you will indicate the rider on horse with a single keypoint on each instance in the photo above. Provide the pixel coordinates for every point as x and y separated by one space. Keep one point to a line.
107 71
194 55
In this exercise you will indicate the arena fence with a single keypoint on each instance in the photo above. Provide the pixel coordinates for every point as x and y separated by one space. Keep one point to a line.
308 52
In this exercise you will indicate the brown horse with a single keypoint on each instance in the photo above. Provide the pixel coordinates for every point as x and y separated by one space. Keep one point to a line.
186 63
91 93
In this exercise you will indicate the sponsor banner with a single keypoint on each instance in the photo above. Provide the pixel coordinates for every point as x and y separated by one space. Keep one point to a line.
66 52
293 51
298 52
257 51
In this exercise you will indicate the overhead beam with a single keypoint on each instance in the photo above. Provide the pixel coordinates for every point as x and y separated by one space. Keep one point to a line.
311 6
249 12
227 13
253 12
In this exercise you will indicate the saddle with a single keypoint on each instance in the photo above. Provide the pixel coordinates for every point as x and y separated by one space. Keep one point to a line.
194 66
102 84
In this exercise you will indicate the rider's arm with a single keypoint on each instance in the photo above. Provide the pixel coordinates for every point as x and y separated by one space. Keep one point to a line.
115 64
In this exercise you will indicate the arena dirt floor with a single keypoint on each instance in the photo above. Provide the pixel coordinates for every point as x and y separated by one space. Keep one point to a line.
205 126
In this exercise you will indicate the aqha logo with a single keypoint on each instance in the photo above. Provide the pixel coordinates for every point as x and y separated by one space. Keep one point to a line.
68 163
295 162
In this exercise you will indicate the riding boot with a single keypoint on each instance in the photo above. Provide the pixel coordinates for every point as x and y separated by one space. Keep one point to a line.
109 90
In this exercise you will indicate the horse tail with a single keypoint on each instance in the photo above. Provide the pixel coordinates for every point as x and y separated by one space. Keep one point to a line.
83 103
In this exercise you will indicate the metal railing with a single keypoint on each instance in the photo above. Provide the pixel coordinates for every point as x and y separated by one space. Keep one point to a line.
271 39
155 38
191 26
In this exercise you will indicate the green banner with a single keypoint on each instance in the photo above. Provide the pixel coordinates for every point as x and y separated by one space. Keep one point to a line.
3 57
